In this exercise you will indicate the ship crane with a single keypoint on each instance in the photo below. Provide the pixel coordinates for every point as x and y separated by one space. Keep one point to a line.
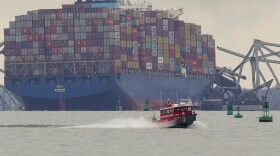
7 99
256 56
1 45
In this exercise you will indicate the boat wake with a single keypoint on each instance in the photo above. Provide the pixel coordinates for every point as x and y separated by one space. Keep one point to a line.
199 125
121 123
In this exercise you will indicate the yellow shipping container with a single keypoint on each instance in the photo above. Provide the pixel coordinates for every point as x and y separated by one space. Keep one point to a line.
117 18
193 43
117 62
166 60
148 39
193 37
165 40
165 47
188 26
204 38
205 64
177 47
165 14
160 46
129 44
204 57
177 54
128 30
166 54
188 42
123 44
153 20
159 39
142 20
135 13
123 57
188 35
130 64
136 65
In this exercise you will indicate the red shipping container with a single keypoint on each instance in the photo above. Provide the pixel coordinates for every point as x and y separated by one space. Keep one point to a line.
199 56
118 69
171 47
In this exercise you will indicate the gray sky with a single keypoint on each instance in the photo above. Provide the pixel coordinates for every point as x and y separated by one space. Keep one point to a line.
233 23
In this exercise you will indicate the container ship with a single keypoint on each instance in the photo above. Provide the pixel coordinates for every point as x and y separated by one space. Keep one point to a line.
90 54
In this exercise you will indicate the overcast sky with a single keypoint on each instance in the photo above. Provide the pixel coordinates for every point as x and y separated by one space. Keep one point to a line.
233 23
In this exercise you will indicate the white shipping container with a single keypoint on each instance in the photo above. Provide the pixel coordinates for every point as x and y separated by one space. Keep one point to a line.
135 44
117 34
171 40
211 64
154 47
117 28
172 61
142 14
199 50
159 15
198 44
160 67
171 34
154 53
165 22
210 44
128 24
148 20
172 67
154 40
205 71
160 59
149 66
160 53
154 28
211 71
135 51
165 28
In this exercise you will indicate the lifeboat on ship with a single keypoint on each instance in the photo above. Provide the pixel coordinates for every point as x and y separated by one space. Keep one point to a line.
179 115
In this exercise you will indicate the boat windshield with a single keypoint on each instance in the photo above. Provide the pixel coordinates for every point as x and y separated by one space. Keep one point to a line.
184 101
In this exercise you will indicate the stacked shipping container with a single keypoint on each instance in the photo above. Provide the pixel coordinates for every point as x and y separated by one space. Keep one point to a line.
73 39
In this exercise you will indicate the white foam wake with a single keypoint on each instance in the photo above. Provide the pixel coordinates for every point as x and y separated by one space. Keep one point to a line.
121 123
199 125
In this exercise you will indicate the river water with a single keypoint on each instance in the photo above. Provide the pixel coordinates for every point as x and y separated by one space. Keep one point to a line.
132 134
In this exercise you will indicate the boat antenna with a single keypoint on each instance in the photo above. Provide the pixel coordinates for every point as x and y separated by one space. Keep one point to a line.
160 99
177 97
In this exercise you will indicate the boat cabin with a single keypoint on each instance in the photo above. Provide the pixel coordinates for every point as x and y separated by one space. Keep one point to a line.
176 110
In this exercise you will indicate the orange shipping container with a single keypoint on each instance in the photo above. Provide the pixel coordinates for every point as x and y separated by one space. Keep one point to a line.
166 53
165 47
159 40
130 64
123 57
177 47
136 65
117 62
160 46
166 60
177 54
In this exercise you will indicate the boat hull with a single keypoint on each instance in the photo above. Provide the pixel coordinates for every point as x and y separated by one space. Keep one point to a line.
181 122
99 95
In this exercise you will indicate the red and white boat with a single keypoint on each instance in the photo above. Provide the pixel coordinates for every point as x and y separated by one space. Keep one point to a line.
176 115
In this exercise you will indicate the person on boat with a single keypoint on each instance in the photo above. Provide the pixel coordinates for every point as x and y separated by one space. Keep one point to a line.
169 103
